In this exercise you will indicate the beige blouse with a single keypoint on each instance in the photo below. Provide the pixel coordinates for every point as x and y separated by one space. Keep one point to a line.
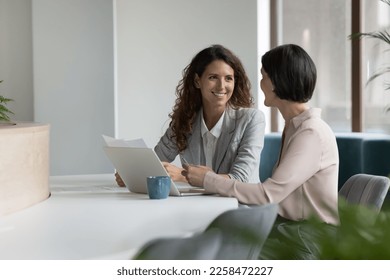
304 181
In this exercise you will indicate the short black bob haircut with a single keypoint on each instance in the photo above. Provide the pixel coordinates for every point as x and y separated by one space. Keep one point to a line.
292 72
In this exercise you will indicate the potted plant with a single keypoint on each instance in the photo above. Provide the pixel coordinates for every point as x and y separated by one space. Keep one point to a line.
382 36
4 111
24 162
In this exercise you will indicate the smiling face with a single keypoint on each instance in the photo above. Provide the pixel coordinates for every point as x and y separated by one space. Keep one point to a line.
267 87
216 84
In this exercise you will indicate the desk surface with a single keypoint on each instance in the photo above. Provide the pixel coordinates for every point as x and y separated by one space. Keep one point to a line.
90 217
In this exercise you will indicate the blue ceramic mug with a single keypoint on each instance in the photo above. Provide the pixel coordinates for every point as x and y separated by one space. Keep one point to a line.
158 186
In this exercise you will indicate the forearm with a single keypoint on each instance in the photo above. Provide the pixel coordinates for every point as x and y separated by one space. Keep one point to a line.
247 193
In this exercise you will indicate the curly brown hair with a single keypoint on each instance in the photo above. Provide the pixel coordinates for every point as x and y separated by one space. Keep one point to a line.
189 98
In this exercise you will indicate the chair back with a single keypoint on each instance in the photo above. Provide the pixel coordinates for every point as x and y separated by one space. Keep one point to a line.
202 246
244 231
366 189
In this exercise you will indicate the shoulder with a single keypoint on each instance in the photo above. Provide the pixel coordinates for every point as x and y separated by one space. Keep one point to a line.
311 120
316 123
318 129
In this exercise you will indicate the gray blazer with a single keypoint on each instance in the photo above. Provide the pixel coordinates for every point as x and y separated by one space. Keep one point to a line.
238 148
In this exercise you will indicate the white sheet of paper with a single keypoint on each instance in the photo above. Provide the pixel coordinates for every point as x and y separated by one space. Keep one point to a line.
113 142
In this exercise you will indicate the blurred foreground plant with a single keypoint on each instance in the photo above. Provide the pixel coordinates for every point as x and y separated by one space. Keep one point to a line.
362 235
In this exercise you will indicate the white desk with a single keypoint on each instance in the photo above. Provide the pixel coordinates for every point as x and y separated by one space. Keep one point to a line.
89 217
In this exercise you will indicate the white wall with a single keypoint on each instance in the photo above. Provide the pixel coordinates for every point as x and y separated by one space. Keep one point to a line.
157 39
263 45
16 57
70 85
74 81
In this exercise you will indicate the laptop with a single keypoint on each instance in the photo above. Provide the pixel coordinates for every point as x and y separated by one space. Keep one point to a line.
134 164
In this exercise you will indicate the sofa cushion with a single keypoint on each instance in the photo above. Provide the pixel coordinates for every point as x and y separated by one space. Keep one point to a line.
350 155
376 154
269 154
358 153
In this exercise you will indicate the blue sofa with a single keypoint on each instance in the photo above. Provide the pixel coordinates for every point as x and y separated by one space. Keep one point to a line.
359 153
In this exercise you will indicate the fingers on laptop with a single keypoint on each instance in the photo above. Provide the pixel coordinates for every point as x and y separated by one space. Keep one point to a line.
119 180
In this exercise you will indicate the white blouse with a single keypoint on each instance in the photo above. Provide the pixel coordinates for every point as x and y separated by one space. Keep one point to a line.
210 138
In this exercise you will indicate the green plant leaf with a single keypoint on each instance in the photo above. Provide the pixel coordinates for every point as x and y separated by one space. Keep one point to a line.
4 99
4 116
4 111
386 2
363 234
381 35
379 73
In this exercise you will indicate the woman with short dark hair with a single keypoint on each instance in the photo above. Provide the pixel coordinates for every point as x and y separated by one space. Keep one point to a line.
292 72
304 181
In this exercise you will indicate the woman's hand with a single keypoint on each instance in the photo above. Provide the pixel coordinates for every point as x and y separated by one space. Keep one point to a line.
119 180
174 172
195 174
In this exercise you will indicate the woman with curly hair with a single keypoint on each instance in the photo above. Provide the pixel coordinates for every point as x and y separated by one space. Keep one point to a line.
213 123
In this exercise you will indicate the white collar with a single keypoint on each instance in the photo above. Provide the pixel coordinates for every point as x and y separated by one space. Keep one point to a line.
216 130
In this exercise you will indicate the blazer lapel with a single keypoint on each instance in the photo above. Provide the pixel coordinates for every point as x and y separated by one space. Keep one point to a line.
194 153
228 127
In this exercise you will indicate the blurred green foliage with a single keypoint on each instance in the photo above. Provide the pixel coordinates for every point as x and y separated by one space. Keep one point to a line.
4 111
363 234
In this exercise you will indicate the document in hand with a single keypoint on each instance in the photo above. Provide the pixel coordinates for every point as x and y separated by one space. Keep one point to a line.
134 161
113 142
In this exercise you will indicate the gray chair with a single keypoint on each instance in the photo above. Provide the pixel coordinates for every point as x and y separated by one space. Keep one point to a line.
366 189
202 246
244 231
